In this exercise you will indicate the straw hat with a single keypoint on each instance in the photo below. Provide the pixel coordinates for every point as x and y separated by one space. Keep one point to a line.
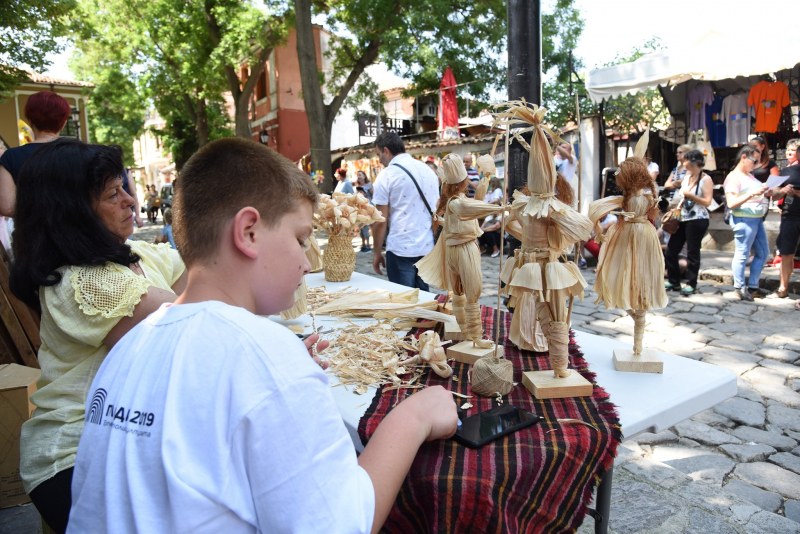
486 164
453 169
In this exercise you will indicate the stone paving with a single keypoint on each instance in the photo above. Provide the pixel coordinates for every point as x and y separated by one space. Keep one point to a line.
733 468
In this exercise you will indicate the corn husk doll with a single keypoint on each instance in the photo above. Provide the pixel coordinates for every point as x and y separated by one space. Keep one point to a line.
630 270
455 262
539 280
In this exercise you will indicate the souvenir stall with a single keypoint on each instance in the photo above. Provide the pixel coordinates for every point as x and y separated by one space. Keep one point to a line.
720 89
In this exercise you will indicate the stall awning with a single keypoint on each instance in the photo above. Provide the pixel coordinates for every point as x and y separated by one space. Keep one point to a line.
712 55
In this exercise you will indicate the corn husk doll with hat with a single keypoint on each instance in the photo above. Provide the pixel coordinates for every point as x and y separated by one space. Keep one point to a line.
455 262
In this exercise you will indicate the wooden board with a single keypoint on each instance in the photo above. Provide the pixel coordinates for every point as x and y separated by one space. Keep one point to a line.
647 362
452 332
543 385
466 352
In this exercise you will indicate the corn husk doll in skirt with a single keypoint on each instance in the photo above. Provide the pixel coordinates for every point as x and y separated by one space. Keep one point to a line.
630 270
539 280
455 262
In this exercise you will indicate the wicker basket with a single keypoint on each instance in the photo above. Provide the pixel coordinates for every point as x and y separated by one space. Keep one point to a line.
339 259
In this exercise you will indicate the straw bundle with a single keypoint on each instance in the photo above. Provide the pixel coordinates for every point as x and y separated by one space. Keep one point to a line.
367 303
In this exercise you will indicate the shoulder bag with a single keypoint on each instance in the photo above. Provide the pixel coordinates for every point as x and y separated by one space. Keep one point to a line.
424 200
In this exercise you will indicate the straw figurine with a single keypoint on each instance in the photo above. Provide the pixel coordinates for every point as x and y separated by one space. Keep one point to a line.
455 262
539 279
430 350
486 169
630 270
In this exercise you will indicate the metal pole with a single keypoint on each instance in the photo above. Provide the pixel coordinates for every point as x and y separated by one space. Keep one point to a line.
524 73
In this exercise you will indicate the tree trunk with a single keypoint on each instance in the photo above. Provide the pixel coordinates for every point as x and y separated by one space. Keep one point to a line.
321 115
201 124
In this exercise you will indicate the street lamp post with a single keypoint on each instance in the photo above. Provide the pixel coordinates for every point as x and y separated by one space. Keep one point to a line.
263 136
76 120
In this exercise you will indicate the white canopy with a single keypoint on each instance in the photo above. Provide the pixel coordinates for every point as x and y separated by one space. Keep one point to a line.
708 55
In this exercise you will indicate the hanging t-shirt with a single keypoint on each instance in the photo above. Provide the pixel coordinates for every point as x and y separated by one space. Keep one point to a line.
768 99
737 119
715 124
697 100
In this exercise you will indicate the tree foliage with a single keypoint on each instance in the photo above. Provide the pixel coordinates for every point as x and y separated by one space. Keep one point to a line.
180 56
29 31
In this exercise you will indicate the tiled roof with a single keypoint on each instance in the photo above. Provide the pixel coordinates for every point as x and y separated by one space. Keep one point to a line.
35 77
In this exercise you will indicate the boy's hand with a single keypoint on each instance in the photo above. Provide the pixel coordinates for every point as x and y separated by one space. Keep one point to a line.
436 409
312 350
378 261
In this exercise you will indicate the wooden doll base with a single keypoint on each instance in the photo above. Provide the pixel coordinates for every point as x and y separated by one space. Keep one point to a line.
647 362
466 352
452 332
447 307
544 385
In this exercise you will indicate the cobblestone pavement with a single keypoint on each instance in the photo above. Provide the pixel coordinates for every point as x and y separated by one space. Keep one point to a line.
733 468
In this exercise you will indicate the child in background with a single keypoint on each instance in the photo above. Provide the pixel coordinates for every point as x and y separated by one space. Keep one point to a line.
209 417
166 232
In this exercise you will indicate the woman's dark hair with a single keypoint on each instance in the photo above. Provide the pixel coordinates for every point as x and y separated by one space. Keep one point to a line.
695 156
764 159
47 111
55 224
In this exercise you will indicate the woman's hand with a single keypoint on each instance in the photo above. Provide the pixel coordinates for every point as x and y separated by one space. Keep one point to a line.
312 340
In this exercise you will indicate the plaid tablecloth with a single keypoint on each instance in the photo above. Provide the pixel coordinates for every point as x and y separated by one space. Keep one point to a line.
539 479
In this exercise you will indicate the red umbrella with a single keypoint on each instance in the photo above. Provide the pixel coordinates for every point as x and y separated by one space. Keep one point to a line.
448 108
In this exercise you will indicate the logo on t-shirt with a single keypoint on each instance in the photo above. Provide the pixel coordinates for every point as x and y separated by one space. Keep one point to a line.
118 417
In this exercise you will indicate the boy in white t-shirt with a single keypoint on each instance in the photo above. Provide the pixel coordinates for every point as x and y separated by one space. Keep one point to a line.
207 417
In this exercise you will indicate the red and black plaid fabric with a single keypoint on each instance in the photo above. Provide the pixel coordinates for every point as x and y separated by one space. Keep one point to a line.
539 479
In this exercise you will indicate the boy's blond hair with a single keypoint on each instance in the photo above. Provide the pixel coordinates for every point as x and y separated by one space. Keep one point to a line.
222 178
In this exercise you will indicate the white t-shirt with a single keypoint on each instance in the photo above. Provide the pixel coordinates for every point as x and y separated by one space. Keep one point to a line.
207 418
567 168
410 233
737 183
494 196
652 167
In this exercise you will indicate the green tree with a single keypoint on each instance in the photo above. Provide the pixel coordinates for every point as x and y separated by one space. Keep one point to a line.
417 39
29 31
182 56
414 38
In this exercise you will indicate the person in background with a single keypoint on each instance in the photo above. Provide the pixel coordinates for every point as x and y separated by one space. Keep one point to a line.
73 261
765 166
364 187
789 233
652 167
166 232
129 185
46 113
406 193
241 431
343 185
472 175
746 197
566 163
694 197
152 203
676 176
495 194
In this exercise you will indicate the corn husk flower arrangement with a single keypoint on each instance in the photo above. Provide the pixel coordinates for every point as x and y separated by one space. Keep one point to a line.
342 214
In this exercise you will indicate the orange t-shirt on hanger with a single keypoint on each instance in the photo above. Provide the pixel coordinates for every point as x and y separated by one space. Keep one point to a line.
768 99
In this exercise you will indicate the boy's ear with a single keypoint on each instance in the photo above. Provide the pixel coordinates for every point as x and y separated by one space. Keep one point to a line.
245 224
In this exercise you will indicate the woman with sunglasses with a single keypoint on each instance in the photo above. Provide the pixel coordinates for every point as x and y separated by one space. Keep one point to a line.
747 198
694 196
679 172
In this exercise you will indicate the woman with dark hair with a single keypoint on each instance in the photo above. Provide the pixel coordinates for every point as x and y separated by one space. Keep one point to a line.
73 261
693 197
47 114
746 198
765 166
